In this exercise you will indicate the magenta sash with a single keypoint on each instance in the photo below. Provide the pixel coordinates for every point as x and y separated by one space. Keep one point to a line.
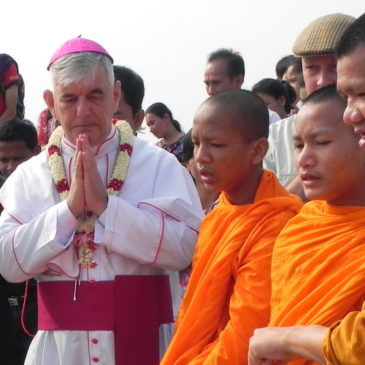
133 307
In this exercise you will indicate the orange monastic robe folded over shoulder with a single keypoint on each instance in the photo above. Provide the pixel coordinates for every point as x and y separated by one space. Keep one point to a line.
228 295
318 267
345 341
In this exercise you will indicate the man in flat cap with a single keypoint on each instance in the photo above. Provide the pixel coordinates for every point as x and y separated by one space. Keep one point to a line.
102 220
343 342
315 45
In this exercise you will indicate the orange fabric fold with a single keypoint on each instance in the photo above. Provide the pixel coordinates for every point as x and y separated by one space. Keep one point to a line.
318 266
345 341
228 294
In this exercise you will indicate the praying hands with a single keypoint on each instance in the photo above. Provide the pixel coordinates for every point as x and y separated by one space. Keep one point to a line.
87 189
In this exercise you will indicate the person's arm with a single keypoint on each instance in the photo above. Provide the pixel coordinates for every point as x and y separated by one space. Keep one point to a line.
33 228
160 230
344 342
27 246
11 99
278 345
249 304
10 85
147 233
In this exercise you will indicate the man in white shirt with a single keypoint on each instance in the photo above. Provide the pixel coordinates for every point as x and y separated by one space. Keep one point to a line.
99 219
316 47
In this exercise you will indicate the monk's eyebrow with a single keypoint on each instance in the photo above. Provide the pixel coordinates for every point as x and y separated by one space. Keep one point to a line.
320 133
315 134
352 86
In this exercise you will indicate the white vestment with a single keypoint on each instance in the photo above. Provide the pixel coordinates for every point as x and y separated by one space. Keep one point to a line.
150 228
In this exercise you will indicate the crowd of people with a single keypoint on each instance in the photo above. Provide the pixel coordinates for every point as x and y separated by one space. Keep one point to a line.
238 241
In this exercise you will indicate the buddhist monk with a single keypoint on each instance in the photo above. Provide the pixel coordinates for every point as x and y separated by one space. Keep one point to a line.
318 265
228 294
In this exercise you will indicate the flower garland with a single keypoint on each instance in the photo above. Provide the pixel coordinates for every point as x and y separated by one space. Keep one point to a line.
84 237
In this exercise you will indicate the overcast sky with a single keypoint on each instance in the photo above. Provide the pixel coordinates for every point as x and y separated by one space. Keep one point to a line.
165 41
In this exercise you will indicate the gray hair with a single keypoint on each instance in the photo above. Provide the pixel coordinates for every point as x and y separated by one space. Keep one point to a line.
73 67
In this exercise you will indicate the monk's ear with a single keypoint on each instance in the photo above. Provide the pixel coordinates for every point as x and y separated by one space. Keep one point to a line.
258 151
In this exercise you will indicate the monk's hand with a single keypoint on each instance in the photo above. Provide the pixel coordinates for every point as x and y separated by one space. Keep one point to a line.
268 346
96 198
76 197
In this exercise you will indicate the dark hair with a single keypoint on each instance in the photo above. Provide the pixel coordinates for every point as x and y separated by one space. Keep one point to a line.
352 38
284 63
276 89
19 130
250 110
160 109
132 86
235 62
327 93
188 147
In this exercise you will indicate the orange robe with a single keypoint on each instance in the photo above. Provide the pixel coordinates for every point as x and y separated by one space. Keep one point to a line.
318 266
228 294
344 343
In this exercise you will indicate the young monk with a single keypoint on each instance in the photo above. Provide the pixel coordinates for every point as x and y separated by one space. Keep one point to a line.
343 342
228 293
318 265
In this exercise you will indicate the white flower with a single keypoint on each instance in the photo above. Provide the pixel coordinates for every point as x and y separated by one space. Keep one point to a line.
58 172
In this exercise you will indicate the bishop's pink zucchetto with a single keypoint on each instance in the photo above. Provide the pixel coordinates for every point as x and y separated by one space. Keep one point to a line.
77 45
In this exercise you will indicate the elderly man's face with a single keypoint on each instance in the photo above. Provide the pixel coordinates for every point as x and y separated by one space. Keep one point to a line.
319 72
86 106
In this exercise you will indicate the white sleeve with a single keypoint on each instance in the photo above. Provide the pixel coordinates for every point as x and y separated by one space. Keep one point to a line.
27 246
159 226
148 233
269 160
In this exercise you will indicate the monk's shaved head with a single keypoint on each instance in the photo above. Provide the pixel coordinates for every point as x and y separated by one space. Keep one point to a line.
246 110
327 93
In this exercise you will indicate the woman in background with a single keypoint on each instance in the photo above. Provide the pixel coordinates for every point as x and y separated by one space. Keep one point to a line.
279 96
208 200
161 123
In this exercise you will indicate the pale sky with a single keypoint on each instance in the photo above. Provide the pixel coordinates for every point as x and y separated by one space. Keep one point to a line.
165 41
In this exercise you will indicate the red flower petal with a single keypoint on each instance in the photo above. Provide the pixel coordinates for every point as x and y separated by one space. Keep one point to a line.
62 186
115 184
53 149
126 147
